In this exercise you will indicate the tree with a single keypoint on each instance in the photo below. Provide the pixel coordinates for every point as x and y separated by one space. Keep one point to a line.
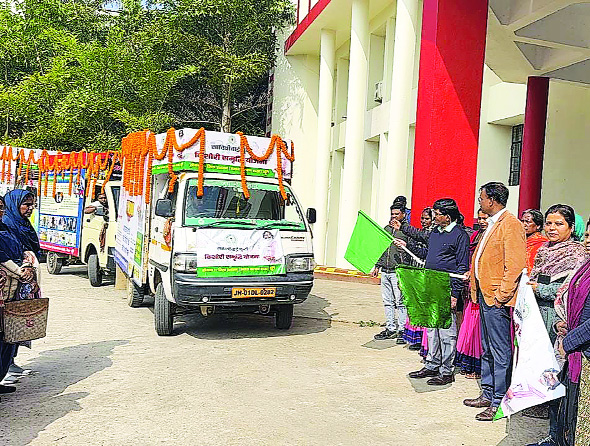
239 43
77 76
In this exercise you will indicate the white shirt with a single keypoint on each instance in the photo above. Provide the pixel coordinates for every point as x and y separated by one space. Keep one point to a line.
447 228
491 222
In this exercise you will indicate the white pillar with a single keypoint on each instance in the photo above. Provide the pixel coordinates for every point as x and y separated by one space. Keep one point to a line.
393 171
355 125
326 90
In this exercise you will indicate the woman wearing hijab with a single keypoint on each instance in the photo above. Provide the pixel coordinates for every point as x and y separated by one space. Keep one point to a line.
12 271
20 204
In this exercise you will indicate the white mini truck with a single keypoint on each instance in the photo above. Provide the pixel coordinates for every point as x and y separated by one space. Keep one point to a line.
218 251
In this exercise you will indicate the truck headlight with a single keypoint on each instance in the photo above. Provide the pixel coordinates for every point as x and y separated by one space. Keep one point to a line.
185 263
300 264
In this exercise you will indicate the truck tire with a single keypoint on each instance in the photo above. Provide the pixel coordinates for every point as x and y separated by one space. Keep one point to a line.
163 313
54 263
135 294
284 316
94 271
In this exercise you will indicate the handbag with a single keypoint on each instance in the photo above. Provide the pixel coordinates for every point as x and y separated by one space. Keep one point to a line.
25 320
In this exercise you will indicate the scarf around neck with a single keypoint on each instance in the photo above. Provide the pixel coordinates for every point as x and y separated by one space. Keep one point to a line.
556 259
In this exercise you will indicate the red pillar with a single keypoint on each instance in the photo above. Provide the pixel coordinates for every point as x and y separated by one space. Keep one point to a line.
533 143
449 102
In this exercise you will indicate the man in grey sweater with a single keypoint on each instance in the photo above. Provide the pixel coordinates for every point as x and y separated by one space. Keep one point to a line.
390 292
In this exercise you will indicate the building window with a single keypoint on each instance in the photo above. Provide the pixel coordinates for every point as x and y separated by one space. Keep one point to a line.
515 155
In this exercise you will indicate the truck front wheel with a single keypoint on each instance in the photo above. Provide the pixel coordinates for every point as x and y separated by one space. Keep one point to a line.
163 313
54 263
94 271
284 316
135 294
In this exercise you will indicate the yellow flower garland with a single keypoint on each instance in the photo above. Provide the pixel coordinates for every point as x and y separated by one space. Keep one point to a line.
135 148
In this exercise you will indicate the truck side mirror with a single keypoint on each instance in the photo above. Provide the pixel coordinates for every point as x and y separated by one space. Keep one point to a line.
99 212
311 215
164 208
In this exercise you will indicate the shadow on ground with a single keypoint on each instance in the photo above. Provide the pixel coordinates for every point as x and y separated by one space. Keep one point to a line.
420 386
82 271
381 344
310 317
523 430
40 399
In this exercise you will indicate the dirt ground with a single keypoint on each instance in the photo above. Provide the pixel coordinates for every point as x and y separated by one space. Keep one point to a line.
103 377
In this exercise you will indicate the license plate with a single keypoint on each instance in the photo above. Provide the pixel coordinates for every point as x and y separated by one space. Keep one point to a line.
247 293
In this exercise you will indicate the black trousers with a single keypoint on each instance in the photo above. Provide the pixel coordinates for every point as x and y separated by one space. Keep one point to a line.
6 354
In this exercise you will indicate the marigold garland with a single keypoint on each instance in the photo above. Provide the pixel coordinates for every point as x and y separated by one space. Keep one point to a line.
276 143
135 148
55 165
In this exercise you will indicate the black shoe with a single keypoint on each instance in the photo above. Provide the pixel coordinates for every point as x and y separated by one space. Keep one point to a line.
385 334
7 389
442 380
415 347
423 373
400 341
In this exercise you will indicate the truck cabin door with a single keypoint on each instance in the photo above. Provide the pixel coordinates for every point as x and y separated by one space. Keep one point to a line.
95 224
162 228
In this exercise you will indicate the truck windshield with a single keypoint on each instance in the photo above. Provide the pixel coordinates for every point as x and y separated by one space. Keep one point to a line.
223 203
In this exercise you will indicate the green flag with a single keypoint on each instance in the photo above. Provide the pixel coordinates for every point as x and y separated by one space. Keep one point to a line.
427 296
367 243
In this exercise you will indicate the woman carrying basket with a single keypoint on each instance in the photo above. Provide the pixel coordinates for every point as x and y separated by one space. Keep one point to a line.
19 247
12 270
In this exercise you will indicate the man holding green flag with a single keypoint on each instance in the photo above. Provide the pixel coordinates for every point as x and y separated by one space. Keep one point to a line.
448 252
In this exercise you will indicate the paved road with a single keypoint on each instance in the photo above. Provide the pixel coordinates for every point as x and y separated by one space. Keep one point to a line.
103 377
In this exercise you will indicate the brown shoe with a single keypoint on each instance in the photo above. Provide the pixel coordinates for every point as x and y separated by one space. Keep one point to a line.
441 380
479 402
424 373
487 415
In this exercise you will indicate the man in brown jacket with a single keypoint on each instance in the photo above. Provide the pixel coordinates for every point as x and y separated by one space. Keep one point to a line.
497 264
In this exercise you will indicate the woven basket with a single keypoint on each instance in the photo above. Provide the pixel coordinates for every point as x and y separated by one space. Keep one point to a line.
25 320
